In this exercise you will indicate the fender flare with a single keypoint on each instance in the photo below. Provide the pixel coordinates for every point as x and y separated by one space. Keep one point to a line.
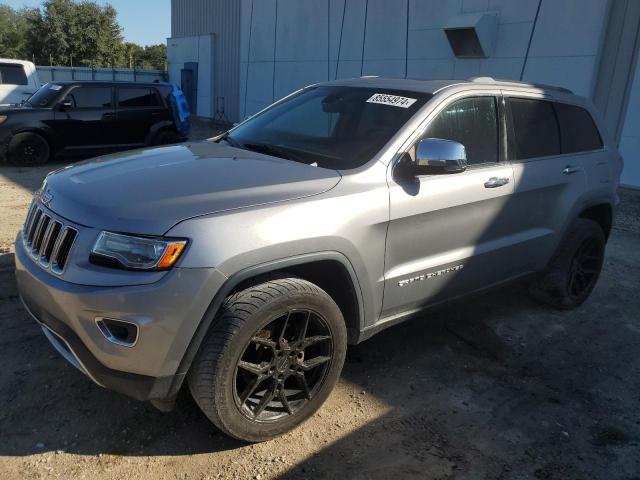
245 274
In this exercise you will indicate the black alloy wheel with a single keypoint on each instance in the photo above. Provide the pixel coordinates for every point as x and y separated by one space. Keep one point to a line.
28 149
271 357
585 268
574 270
283 366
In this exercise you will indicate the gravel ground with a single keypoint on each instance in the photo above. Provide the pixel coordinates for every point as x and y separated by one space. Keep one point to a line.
498 387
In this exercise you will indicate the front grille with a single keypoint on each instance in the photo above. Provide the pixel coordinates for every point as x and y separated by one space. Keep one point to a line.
48 239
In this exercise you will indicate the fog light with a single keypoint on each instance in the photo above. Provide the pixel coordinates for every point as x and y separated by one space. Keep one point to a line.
119 332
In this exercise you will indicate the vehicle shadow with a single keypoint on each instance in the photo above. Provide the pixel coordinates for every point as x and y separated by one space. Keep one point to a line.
50 405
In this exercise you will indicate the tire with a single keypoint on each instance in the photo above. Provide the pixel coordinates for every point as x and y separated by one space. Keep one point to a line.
28 149
166 137
573 271
224 378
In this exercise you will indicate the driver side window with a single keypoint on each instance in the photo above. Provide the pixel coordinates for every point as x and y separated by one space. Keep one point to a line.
90 97
473 122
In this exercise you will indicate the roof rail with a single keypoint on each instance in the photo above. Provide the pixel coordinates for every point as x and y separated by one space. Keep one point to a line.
515 83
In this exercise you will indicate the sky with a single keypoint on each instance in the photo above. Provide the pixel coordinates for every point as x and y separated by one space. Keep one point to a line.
145 22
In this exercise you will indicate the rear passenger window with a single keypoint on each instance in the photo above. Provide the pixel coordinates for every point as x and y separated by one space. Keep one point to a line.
137 97
536 132
473 122
578 130
90 97
12 74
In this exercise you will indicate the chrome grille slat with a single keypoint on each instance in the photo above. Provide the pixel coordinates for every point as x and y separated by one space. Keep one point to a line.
40 233
61 251
27 223
48 239
34 225
37 234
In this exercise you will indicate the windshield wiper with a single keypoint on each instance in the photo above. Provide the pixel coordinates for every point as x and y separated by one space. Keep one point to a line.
231 141
273 150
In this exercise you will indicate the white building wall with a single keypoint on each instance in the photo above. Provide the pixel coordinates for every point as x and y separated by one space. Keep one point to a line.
630 140
286 44
283 45
198 49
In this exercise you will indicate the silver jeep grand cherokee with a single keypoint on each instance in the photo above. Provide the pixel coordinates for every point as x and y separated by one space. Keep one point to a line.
245 264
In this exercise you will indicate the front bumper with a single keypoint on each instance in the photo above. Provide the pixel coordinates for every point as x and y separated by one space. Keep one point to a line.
166 312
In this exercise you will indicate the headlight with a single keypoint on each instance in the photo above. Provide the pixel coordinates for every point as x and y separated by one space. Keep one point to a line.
3 118
138 253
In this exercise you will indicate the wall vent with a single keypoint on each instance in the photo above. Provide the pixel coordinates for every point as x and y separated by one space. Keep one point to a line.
472 35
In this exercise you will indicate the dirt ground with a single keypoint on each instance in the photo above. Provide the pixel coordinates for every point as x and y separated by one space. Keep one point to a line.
497 387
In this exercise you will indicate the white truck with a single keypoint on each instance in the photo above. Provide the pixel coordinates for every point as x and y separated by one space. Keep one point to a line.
18 81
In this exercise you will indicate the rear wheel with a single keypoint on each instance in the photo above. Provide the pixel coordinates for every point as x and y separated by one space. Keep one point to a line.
166 137
271 359
28 149
574 270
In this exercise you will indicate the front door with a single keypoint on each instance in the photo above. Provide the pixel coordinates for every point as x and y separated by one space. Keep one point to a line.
451 234
86 124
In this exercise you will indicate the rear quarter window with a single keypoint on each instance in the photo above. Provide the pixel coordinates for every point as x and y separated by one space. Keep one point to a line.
137 97
578 131
12 74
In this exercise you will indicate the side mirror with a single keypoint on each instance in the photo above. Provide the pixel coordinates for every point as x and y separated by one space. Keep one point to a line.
434 155
65 104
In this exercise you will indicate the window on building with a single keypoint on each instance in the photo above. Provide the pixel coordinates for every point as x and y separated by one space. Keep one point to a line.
536 131
137 97
12 74
90 97
578 130
473 122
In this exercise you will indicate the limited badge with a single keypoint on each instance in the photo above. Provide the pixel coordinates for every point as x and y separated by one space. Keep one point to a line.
392 100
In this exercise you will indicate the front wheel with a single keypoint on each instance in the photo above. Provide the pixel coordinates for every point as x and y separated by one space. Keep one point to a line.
28 149
272 357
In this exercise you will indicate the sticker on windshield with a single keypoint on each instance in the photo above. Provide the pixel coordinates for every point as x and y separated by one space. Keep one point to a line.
393 100
56 87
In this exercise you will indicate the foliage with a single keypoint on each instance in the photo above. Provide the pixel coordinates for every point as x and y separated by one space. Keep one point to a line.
13 25
72 33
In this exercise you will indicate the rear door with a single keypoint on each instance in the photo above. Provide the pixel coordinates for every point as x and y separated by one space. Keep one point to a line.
139 108
87 123
548 182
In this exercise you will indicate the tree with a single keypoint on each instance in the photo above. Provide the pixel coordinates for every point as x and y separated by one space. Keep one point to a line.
132 52
73 33
154 56
13 31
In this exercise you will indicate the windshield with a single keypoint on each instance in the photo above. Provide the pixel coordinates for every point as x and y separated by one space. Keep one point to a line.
329 126
45 96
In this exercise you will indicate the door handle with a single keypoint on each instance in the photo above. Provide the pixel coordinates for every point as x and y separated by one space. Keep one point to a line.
570 170
495 182
108 115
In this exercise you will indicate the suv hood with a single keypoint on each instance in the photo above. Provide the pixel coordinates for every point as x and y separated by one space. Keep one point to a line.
149 191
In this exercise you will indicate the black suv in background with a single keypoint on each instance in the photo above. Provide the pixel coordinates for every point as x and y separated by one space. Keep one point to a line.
87 119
